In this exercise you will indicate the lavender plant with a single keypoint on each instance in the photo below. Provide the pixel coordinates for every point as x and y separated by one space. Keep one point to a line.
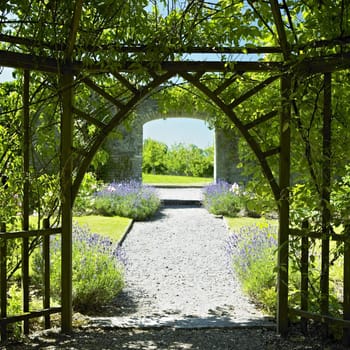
252 252
128 199
221 198
98 269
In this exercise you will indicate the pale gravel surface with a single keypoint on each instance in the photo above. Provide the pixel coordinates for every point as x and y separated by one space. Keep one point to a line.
180 294
178 270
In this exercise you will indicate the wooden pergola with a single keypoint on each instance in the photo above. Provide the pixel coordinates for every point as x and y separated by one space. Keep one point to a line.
138 82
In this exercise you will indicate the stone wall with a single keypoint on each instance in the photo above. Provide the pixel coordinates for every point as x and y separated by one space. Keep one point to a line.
125 147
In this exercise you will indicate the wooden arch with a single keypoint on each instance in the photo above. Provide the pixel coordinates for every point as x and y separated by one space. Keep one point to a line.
137 82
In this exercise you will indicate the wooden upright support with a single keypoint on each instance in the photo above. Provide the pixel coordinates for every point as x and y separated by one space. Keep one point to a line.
325 200
346 285
3 282
66 198
304 269
46 257
283 234
25 203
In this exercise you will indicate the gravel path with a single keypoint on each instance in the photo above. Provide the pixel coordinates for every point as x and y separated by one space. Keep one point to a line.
178 274
180 294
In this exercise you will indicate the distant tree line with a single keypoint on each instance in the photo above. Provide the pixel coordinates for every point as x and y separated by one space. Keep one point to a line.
179 159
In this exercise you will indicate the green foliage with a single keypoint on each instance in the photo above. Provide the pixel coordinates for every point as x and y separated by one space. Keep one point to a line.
252 252
14 307
177 160
222 199
97 270
154 154
129 199
341 199
84 202
190 161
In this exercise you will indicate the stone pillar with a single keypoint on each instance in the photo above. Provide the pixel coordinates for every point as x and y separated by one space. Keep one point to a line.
226 156
124 147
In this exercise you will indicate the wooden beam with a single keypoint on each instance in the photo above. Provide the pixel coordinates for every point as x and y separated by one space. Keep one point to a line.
30 43
88 118
253 91
66 200
73 29
272 152
282 37
283 206
261 119
226 84
326 192
115 121
240 126
346 284
102 92
125 82
50 65
25 204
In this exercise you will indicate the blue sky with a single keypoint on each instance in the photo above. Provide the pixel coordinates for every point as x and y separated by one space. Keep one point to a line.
179 130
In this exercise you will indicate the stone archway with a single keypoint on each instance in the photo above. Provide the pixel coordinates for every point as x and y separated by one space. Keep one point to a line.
125 144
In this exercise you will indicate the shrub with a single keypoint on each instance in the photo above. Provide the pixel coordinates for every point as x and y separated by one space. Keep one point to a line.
253 256
222 199
97 270
14 307
128 199
252 252
84 202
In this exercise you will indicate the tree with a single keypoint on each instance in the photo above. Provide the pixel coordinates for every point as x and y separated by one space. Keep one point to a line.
154 155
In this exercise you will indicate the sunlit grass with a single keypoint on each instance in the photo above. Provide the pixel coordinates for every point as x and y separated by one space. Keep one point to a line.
108 226
237 222
175 180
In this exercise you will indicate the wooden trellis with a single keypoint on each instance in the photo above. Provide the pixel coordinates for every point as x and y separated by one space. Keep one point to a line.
72 74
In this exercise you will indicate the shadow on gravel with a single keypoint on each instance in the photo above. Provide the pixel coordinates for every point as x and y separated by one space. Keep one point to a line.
123 305
171 339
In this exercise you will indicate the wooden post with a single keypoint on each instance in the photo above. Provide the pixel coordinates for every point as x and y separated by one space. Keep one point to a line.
325 200
25 203
346 283
304 270
46 256
3 282
66 199
283 234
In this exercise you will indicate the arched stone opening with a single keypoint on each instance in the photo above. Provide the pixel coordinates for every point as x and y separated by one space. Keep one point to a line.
125 146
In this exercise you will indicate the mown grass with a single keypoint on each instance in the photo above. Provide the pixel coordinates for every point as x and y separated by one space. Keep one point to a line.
111 227
151 179
237 222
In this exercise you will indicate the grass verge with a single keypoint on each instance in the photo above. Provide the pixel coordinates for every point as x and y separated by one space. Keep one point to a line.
108 226
151 179
237 222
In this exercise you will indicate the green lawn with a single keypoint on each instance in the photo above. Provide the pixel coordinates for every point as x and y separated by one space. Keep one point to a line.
151 179
237 223
109 226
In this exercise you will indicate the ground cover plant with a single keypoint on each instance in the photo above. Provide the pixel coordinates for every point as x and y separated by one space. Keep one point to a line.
98 270
127 199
